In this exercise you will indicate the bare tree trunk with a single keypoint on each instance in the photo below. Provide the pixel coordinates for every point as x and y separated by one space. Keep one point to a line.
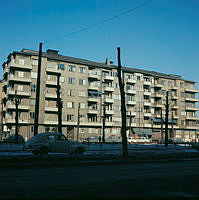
123 107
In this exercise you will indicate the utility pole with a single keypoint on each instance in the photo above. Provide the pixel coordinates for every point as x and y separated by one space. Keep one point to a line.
123 106
59 105
172 129
36 120
17 101
78 121
130 121
166 119
162 121
103 125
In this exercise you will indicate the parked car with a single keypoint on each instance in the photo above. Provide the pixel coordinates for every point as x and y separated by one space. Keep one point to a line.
175 140
139 140
53 142
195 145
11 139
131 140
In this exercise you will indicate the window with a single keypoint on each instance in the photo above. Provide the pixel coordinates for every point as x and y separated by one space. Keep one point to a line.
70 104
82 105
61 66
21 61
71 68
181 84
32 115
82 94
33 75
138 78
70 93
49 77
162 82
21 74
20 87
116 85
170 83
81 118
70 117
32 102
35 62
82 82
71 80
33 88
182 94
82 69
62 79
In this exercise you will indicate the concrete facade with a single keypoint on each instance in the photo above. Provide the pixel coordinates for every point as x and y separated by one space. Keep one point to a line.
93 85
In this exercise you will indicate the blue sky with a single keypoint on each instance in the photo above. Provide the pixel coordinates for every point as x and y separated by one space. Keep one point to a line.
162 36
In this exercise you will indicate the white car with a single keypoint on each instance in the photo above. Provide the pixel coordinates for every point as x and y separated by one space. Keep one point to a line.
138 140
53 142
131 140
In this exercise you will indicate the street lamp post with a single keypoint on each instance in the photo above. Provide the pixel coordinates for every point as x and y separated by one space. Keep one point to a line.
166 118
17 101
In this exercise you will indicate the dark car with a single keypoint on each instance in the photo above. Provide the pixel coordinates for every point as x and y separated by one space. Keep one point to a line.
11 139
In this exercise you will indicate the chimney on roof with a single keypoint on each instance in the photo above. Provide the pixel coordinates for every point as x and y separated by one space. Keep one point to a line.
52 52
108 61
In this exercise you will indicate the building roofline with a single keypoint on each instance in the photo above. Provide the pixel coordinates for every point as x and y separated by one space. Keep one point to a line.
80 61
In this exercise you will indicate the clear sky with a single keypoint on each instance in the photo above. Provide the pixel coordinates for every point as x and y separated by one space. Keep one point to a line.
161 36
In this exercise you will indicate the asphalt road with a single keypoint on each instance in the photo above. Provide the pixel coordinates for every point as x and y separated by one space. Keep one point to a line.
173 179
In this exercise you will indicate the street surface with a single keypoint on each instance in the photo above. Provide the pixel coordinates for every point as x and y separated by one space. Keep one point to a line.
165 179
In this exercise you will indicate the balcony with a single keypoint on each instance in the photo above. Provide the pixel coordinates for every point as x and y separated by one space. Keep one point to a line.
93 99
51 109
12 121
53 71
147 93
147 125
147 114
131 113
92 111
108 89
93 76
54 83
174 97
109 124
20 107
108 100
50 95
174 88
146 103
25 67
131 81
50 122
191 99
158 95
131 91
147 83
159 105
19 93
157 85
109 112
192 108
192 90
19 79
93 87
174 107
131 102
192 118
108 77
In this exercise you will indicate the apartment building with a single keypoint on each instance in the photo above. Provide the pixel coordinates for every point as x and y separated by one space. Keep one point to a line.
92 85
